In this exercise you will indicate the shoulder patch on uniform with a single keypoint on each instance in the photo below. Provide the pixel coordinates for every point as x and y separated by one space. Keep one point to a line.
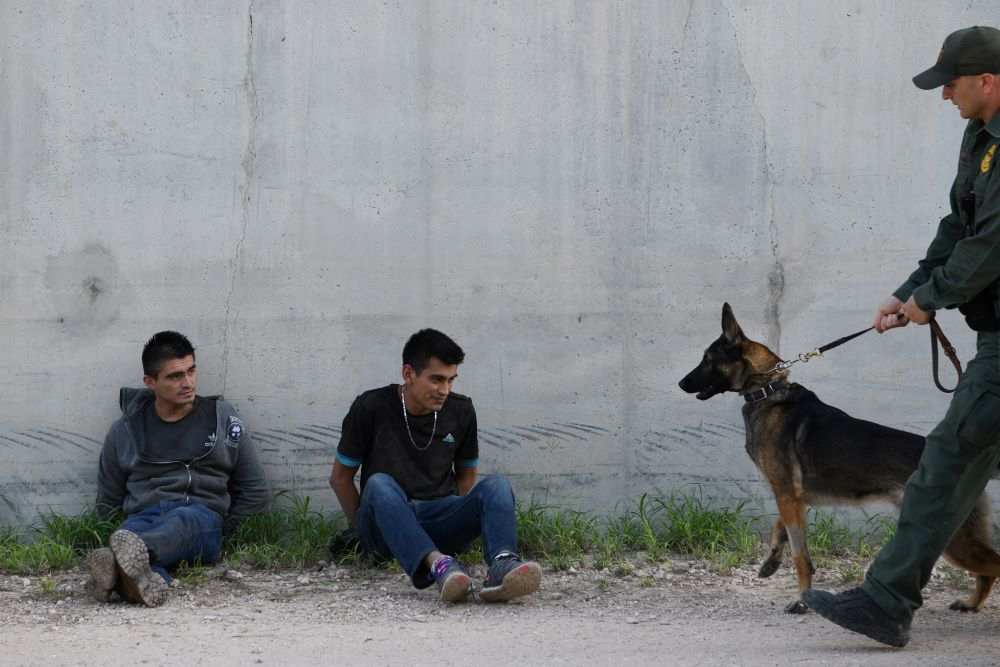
987 162
234 431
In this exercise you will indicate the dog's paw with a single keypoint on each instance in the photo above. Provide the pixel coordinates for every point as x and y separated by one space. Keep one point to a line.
769 567
796 607
963 606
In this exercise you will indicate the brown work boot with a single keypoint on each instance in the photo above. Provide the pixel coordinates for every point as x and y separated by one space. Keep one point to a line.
137 582
103 574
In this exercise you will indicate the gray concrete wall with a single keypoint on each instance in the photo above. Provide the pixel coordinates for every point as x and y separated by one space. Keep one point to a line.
570 189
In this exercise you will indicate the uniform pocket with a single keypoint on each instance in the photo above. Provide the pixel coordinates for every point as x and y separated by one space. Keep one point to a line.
979 424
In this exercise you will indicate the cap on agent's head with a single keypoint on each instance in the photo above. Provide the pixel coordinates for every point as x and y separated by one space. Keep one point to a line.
974 50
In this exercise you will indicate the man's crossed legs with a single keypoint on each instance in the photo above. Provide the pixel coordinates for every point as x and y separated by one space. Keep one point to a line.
147 543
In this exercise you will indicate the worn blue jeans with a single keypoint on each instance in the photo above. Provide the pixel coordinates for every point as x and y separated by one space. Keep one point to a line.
390 525
176 531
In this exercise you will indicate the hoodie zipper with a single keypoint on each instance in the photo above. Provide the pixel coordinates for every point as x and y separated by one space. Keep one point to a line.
187 466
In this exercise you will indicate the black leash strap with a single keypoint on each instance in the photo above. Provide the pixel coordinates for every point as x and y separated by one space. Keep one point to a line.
841 341
938 335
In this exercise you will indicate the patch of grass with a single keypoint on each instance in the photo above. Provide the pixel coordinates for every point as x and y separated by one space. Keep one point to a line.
54 541
288 534
82 533
624 568
192 573
33 553
681 524
829 536
559 536
850 571
724 535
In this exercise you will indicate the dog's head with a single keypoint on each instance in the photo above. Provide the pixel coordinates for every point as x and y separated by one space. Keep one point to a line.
730 363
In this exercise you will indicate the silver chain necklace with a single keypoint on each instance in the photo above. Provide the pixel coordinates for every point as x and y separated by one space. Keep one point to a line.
402 397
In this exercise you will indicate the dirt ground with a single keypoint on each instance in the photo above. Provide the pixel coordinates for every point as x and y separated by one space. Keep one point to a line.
676 613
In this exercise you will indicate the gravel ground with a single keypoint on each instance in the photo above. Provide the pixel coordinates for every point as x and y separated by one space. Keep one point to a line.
681 612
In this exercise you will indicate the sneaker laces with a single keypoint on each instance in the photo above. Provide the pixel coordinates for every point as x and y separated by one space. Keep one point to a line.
441 564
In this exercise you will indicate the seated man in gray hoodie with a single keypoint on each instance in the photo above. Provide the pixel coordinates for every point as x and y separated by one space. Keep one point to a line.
180 466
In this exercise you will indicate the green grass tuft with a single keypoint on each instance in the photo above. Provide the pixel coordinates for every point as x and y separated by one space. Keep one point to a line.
288 534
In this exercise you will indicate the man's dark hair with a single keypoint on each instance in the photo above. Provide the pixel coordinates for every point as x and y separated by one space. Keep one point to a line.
163 346
428 343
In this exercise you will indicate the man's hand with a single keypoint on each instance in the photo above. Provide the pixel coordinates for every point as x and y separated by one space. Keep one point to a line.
912 311
890 315
345 542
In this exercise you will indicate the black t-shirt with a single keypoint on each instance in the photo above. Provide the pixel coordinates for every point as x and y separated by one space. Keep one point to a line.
374 437
183 440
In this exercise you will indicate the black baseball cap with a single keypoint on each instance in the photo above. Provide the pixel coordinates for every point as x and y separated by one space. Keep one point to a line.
974 50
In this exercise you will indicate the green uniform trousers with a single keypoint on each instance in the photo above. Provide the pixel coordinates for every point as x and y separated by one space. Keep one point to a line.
961 454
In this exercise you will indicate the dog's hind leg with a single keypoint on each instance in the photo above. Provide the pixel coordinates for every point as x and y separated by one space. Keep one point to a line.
972 549
792 512
975 601
779 537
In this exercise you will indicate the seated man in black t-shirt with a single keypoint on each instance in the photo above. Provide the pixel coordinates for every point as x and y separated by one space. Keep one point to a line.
417 448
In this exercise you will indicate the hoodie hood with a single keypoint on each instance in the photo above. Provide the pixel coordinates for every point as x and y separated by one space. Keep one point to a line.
132 400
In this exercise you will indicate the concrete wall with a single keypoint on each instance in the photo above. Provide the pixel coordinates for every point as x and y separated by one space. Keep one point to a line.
570 189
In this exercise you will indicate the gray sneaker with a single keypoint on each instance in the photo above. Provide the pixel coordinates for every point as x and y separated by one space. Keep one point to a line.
103 574
454 583
510 577
138 582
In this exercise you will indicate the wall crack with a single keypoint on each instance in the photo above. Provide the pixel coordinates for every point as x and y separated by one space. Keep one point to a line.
776 276
249 163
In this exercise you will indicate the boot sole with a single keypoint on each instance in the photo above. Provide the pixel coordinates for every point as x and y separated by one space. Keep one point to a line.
103 574
522 580
139 582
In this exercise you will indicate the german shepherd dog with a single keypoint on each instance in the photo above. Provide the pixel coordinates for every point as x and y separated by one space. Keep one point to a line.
814 454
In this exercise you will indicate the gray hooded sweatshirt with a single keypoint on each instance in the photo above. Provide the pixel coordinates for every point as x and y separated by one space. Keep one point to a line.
225 476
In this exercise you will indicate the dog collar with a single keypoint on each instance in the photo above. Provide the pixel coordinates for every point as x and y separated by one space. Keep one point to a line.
755 395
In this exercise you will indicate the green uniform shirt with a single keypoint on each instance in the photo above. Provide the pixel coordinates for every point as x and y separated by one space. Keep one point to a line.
957 267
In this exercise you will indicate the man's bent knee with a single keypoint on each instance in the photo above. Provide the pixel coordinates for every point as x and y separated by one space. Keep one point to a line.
496 489
382 486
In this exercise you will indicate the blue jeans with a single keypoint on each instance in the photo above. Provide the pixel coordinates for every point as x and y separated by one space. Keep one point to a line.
390 525
176 531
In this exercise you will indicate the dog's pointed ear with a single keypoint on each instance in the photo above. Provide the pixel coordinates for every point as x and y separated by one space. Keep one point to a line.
730 327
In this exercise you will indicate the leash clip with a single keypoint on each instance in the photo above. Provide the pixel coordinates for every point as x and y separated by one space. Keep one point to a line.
809 355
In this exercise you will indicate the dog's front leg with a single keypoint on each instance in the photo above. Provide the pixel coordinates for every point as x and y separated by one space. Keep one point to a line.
792 513
779 536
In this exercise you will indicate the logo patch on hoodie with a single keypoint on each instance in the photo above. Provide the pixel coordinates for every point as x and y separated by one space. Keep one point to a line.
234 431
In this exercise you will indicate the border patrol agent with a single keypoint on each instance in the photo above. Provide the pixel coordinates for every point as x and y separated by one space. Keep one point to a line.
961 269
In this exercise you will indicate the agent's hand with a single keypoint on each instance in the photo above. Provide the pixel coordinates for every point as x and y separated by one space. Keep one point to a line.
890 315
912 311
